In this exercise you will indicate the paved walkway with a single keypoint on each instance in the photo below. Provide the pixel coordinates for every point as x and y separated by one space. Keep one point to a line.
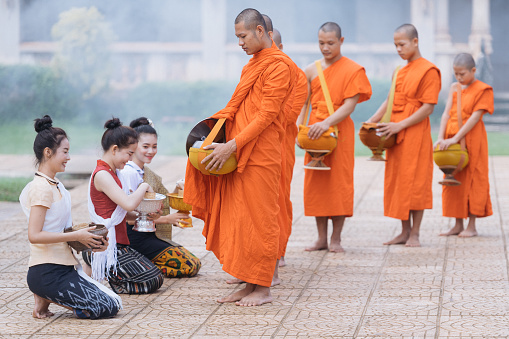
449 288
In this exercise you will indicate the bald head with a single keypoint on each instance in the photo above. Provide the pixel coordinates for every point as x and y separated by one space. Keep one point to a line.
409 30
251 19
268 22
277 37
464 60
331 27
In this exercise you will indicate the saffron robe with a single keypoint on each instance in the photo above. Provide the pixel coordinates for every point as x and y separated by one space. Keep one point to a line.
473 195
240 209
330 193
291 131
409 166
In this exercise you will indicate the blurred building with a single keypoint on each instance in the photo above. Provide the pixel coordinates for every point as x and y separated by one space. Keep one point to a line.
194 39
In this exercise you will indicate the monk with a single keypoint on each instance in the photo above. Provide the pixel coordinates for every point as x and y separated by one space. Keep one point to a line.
240 209
329 194
472 198
409 166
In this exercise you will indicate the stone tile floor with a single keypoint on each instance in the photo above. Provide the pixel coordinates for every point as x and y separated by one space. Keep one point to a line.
449 288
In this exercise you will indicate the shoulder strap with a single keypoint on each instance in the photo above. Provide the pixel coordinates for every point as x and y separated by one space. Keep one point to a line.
388 112
212 135
325 91
459 112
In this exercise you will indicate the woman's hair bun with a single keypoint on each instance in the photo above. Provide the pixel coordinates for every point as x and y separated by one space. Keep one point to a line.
113 123
44 123
139 122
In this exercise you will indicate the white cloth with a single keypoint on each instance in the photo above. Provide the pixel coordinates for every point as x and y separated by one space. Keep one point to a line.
102 262
133 176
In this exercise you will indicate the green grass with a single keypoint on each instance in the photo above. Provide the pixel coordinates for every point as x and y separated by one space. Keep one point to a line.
10 188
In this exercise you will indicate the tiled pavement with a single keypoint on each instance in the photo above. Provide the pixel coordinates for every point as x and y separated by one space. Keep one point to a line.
449 288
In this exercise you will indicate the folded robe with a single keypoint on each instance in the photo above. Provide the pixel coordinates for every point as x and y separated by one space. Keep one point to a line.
330 193
409 166
473 195
240 209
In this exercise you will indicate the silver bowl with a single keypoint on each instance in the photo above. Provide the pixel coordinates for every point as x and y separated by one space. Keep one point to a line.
147 206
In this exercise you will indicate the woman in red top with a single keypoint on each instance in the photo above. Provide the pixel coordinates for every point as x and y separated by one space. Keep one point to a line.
127 270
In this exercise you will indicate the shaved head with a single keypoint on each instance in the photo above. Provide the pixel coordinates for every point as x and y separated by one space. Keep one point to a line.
409 30
464 60
276 37
251 19
268 22
331 27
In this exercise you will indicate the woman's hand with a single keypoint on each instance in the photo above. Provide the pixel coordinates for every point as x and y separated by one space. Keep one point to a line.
155 215
177 218
103 246
87 238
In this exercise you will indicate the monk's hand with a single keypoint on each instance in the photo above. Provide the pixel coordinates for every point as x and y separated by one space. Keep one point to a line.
388 128
316 130
220 154
444 144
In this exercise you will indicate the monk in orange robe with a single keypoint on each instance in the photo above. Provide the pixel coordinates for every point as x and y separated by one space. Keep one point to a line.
409 167
240 209
329 194
472 198
291 131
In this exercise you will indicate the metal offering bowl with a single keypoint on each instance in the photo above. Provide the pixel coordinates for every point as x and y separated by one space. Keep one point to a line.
147 206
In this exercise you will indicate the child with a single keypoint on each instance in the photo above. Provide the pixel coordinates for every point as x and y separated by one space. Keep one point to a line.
171 258
54 274
472 198
128 271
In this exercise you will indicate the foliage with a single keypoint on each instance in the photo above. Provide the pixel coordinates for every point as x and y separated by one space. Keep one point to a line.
83 55
10 188
28 92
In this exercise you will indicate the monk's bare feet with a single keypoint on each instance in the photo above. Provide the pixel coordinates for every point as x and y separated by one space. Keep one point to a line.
236 296
234 281
261 295
41 310
453 231
282 262
275 281
413 241
336 248
318 246
468 233
400 239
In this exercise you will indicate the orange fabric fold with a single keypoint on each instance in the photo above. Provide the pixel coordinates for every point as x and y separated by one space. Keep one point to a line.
473 195
241 209
292 112
330 193
409 166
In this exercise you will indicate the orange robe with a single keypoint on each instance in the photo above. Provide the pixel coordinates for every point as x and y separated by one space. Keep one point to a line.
240 209
330 193
473 195
409 166
291 131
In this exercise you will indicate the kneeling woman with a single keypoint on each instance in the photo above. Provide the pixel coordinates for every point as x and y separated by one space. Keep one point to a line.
108 204
54 274
172 259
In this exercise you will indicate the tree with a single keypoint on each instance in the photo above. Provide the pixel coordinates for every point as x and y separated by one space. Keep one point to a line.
83 54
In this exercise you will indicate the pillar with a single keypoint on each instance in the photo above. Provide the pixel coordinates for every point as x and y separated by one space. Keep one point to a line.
480 31
9 31
422 17
214 27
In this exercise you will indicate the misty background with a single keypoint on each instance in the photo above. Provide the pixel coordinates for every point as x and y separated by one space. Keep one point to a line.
177 62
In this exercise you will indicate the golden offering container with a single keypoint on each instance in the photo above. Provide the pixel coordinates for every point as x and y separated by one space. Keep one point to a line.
448 161
196 155
176 202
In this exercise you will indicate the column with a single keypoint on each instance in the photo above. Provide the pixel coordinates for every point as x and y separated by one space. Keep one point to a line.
422 17
9 31
443 44
214 24
480 31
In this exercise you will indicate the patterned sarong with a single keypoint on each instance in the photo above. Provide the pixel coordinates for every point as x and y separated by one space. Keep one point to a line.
177 262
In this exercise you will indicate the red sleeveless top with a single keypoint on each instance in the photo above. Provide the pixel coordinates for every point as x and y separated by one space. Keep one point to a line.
104 206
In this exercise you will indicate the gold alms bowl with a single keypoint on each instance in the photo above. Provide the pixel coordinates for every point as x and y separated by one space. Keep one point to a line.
448 161
196 155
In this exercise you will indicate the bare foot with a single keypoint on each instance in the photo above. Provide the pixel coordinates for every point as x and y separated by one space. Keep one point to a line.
234 281
413 241
336 248
261 295
275 282
282 262
236 296
453 231
400 239
318 246
467 234
41 310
